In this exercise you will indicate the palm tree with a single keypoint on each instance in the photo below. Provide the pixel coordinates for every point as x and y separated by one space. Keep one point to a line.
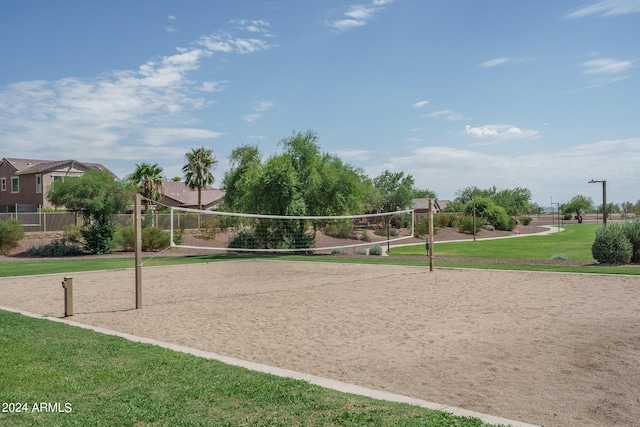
148 180
197 171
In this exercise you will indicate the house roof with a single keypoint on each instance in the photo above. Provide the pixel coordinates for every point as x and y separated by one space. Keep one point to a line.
31 166
181 193
423 203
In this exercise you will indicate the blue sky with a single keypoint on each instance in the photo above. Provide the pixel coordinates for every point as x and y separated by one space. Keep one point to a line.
542 95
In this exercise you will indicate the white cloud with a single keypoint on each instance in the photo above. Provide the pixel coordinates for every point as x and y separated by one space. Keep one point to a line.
499 132
446 170
359 15
125 115
258 26
494 62
214 86
420 104
227 44
162 136
605 66
260 106
171 18
445 115
604 71
607 8
250 118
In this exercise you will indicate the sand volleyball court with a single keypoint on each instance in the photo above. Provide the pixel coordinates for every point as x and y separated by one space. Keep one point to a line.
542 348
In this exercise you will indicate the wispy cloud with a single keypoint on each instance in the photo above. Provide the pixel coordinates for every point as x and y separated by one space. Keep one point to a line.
605 66
171 28
358 15
258 26
420 104
445 115
604 71
607 8
147 107
258 107
494 62
499 133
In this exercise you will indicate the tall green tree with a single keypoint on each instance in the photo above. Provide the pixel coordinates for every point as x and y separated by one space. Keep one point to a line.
579 205
396 190
147 178
245 168
198 170
97 196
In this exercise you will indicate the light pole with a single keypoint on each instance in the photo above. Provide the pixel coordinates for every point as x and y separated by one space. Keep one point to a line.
604 199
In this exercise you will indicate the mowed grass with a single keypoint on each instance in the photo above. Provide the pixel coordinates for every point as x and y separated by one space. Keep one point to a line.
574 242
85 378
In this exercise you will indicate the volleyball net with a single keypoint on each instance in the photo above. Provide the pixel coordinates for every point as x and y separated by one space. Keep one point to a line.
227 231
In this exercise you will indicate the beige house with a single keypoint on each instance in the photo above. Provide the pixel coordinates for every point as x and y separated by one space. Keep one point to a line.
24 182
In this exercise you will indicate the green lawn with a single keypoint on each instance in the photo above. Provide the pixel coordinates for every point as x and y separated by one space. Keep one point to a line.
575 242
91 379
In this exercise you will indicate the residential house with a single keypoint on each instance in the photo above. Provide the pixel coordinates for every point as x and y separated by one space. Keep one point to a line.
178 194
421 206
24 182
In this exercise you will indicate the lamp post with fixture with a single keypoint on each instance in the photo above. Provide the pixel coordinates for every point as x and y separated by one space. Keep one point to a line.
604 199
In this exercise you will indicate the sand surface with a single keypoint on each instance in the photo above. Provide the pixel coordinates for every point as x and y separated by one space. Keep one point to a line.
548 349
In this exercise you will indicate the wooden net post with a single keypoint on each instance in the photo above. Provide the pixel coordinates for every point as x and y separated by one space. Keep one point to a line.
137 215
431 242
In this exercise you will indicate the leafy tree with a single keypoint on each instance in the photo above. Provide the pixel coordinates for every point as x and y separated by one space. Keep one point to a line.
148 179
97 196
197 170
245 168
579 205
396 189
516 201
423 194
327 185
494 214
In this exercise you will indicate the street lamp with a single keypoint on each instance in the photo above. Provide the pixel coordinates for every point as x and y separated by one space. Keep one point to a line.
604 199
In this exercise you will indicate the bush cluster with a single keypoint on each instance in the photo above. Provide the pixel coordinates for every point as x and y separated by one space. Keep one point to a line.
464 224
375 250
57 248
617 243
11 232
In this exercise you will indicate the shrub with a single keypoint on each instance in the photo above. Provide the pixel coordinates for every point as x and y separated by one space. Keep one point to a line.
611 245
632 231
421 227
559 257
153 238
210 227
11 232
340 228
375 250
446 220
336 251
567 216
100 238
361 251
57 248
245 239
72 233
464 224
526 219
365 236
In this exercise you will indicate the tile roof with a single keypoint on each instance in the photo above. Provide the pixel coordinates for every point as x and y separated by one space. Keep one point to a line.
180 192
29 166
